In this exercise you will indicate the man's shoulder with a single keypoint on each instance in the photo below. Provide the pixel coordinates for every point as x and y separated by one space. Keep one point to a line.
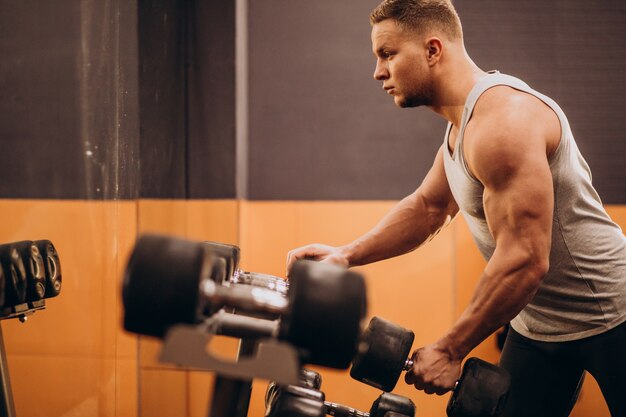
505 114
508 125
504 105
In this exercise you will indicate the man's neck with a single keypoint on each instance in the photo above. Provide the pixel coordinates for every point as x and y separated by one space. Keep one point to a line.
455 83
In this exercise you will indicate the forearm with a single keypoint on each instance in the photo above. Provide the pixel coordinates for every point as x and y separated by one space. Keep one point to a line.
504 289
409 224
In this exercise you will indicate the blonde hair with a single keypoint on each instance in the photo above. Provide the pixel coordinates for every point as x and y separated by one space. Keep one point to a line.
420 15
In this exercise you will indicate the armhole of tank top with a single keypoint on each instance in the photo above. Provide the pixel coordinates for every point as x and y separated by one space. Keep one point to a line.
563 124
463 161
460 140
446 142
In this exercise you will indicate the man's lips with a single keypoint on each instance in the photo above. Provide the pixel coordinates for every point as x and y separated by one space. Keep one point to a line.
389 90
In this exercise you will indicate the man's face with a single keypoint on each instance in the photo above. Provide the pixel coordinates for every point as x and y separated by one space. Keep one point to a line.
401 64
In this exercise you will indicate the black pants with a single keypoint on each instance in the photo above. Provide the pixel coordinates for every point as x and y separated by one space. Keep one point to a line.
546 376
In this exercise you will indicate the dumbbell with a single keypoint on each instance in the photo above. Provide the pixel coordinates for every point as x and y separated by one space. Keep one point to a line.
52 267
307 379
34 270
383 353
227 271
226 264
293 400
310 379
168 282
14 275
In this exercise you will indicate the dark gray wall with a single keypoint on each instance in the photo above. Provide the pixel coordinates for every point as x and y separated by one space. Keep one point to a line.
68 107
117 99
211 159
162 29
321 128
187 98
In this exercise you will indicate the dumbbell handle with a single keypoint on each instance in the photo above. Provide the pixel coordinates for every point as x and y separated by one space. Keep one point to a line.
333 409
256 279
235 325
246 298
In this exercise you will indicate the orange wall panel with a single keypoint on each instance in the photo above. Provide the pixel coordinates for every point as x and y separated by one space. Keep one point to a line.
68 358
164 392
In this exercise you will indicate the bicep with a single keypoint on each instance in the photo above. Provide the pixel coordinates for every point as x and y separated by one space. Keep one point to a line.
518 197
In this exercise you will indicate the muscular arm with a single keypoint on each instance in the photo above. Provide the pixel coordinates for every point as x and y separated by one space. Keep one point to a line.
410 223
413 221
512 165
507 152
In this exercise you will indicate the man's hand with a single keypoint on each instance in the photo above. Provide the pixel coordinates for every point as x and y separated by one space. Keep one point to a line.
317 252
433 371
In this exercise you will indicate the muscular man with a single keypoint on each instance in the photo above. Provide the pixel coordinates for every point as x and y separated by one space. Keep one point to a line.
509 163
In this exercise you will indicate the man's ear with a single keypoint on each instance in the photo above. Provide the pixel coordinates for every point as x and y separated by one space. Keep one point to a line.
434 50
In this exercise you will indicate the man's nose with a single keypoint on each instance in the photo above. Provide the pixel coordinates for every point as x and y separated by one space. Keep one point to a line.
380 72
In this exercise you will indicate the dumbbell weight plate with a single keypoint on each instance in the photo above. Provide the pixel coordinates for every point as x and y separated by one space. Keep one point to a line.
310 380
294 401
34 268
271 395
52 266
481 391
382 352
275 390
231 255
388 402
289 406
15 275
162 284
326 306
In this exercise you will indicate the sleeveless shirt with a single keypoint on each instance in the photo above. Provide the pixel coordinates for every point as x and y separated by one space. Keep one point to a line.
584 291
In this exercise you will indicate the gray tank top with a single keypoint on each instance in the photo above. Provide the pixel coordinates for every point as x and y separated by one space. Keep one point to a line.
584 292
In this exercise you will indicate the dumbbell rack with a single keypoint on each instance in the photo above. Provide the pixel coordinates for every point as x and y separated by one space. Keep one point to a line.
231 396
270 359
20 312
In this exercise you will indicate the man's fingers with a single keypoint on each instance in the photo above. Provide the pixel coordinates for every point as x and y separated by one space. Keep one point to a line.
291 258
304 252
409 378
317 252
